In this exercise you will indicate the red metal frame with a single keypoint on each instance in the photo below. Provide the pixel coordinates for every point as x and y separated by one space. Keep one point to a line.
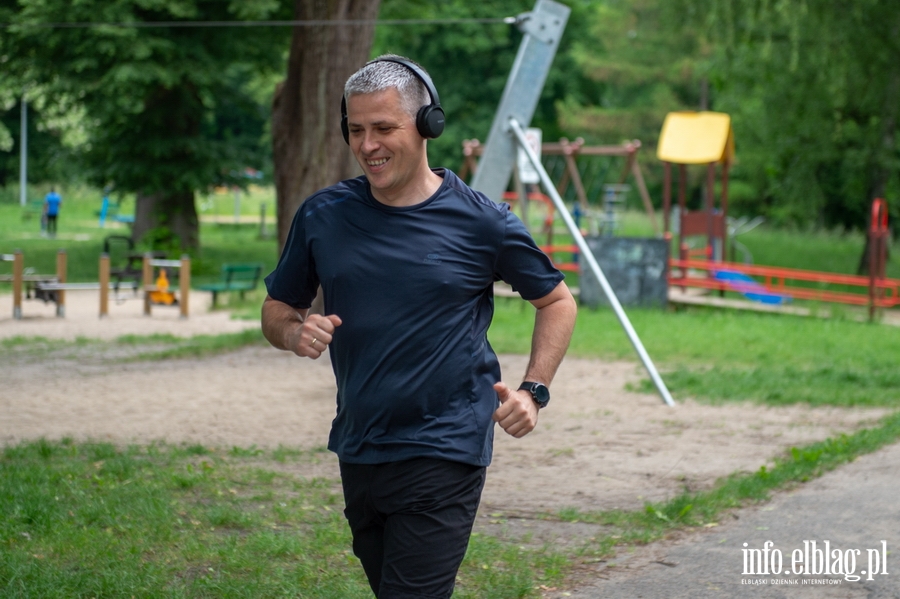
877 291
549 248
775 280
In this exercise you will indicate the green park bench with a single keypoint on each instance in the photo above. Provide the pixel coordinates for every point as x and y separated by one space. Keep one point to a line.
235 277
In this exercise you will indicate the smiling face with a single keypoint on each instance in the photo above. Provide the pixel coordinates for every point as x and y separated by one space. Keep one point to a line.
389 149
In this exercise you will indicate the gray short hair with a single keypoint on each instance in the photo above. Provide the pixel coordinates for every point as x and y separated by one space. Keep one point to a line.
379 75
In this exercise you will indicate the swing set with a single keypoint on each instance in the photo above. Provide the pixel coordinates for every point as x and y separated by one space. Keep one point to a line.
572 176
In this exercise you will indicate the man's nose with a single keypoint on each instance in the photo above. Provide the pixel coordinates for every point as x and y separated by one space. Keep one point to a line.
369 142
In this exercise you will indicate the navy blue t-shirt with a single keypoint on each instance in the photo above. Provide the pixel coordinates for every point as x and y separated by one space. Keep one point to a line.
414 289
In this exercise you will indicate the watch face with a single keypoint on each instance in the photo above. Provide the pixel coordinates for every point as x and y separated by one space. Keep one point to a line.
541 394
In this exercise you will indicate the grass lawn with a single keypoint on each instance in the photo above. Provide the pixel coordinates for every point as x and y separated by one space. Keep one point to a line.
221 238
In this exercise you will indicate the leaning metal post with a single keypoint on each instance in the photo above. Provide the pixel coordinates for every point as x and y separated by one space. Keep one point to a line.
542 28
588 257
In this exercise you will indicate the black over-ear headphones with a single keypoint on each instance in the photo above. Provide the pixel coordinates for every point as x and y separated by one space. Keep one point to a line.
429 119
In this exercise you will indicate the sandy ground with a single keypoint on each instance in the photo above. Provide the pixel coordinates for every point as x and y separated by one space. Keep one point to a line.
596 447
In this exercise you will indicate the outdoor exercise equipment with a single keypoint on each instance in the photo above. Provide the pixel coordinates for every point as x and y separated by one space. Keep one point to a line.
157 287
542 29
162 295
27 282
53 287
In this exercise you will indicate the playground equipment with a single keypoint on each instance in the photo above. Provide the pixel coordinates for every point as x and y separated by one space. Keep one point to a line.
160 290
697 138
875 291
603 222
53 287
706 138
570 152
162 296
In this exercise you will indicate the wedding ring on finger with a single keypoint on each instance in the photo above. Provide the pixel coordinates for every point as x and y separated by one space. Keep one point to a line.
313 342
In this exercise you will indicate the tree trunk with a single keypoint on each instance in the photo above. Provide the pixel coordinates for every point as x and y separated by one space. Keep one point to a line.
308 150
170 219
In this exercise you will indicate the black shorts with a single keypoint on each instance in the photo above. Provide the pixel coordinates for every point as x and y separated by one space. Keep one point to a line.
411 523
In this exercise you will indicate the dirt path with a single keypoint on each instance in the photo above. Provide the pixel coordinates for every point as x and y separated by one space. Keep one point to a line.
597 447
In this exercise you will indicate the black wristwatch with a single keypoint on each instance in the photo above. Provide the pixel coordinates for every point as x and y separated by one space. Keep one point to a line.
539 392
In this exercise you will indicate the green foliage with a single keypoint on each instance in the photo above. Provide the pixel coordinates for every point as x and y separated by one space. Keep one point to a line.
160 111
167 107
470 64
814 91
49 157
645 67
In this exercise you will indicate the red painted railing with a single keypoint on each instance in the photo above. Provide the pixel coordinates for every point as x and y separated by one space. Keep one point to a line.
875 291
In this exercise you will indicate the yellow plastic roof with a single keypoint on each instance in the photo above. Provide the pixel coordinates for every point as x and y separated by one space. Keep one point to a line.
696 138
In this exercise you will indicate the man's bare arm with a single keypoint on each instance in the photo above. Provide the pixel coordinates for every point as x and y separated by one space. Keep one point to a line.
553 325
307 335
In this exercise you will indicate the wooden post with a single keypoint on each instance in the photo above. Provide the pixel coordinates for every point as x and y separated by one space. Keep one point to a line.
877 252
184 284
148 282
682 203
710 208
645 195
569 152
667 197
723 204
18 272
104 285
61 258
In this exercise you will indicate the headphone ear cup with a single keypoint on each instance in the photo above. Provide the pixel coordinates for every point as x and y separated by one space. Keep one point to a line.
345 128
430 121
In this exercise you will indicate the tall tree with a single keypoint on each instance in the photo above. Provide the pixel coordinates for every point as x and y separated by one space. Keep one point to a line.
644 70
308 150
471 61
814 92
156 97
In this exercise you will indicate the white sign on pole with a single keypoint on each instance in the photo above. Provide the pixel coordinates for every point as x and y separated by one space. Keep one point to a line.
527 172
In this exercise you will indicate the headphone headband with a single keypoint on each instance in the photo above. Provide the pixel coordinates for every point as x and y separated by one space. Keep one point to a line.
420 74
429 119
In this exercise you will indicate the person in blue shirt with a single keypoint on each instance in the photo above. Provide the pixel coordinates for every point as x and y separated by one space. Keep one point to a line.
406 257
52 203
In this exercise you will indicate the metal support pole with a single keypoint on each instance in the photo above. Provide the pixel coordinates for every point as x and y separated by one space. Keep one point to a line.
543 27
589 259
23 155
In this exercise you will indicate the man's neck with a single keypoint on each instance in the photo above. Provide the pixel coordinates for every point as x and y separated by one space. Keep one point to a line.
415 193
